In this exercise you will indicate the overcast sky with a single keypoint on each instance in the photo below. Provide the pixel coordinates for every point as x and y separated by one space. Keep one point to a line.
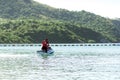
105 8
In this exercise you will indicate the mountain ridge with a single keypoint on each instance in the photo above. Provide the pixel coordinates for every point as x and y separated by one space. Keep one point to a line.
78 26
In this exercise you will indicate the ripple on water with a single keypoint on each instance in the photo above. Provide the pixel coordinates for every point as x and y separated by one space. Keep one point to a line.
91 64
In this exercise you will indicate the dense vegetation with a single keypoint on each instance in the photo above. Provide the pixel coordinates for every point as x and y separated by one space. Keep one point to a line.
26 21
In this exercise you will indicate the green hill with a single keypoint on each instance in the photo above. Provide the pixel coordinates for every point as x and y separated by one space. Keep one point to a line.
26 21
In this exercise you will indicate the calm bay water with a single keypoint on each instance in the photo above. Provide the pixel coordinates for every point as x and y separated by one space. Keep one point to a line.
67 63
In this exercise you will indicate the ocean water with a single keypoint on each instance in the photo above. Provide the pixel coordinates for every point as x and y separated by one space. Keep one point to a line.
67 63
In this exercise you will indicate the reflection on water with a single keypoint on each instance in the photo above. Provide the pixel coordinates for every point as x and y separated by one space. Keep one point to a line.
67 63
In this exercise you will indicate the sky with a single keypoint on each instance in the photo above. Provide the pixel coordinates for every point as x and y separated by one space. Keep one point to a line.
105 8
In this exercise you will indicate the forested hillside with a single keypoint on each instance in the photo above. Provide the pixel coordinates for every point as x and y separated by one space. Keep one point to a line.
26 21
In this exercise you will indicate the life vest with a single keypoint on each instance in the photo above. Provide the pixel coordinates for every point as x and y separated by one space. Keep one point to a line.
44 43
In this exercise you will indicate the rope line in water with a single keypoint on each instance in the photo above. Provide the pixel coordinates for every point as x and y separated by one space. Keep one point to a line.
65 44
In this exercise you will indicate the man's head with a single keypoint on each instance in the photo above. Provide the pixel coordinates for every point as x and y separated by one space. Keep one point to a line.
46 39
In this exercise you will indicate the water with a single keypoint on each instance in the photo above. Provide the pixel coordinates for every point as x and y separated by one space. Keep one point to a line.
67 63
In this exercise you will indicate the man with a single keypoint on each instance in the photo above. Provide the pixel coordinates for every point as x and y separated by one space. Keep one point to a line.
45 45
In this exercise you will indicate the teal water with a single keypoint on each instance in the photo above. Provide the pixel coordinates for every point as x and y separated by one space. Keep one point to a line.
67 63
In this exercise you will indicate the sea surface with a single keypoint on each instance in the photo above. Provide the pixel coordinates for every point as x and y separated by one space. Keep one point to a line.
67 63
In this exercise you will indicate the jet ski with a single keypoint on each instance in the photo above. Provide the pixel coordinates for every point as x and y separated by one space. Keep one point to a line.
49 51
